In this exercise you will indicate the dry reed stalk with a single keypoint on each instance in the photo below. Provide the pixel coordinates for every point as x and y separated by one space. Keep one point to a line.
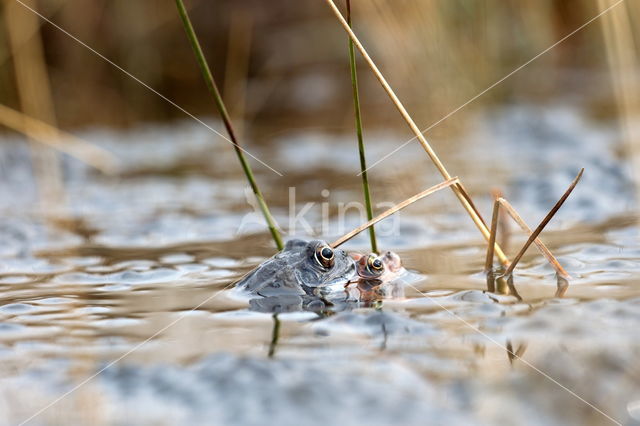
34 92
392 210
5 55
457 189
504 230
42 132
543 248
623 61
542 225
488 265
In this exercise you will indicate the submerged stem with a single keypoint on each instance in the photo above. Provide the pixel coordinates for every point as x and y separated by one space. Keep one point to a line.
358 117
275 336
213 89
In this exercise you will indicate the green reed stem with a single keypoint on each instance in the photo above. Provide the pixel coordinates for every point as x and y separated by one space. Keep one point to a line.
213 88
358 115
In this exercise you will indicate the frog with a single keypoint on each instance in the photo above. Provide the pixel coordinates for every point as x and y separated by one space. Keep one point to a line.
379 277
302 268
380 269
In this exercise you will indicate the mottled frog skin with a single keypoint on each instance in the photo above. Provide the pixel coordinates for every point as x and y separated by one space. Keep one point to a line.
302 268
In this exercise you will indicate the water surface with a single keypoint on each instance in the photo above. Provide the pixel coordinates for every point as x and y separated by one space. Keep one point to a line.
136 269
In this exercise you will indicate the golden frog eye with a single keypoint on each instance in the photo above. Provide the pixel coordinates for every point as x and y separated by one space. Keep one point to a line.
324 256
374 264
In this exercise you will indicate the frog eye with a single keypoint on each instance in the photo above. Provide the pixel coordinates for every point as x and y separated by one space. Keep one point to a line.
324 256
374 264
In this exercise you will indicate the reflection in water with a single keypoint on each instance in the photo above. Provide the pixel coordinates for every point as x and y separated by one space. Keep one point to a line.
275 335
292 303
383 326
519 352
498 283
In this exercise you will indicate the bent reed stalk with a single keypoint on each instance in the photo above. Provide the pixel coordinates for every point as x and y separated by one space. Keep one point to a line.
49 135
359 134
394 209
541 246
459 191
213 89
541 226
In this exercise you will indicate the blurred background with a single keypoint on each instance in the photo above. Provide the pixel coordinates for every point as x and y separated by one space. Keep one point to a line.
283 71
516 95
283 65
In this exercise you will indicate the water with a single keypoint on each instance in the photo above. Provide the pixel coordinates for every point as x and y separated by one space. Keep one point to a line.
129 278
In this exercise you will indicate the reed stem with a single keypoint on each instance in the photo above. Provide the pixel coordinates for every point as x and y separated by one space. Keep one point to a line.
457 189
358 117
488 265
394 209
541 246
213 89
542 225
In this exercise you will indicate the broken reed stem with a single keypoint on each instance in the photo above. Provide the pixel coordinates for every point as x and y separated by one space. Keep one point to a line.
504 230
394 209
358 117
542 224
213 89
488 265
543 248
457 189
53 137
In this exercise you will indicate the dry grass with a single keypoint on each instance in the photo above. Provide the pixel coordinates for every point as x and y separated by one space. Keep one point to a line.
458 189
505 280
436 53
543 248
35 96
622 57
47 134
